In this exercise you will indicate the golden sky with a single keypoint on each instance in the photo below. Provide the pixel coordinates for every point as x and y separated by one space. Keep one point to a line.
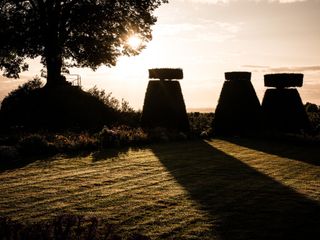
207 38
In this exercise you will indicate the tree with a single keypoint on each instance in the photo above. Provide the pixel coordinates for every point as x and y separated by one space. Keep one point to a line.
71 33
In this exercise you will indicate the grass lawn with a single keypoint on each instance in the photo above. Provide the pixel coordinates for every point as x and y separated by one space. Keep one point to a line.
218 189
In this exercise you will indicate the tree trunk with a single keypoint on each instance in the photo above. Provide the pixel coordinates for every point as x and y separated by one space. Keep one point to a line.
54 65
53 48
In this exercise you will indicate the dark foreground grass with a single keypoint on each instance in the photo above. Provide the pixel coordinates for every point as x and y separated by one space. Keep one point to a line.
219 189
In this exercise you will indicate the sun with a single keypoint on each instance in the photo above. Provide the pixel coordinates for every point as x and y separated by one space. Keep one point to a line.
134 42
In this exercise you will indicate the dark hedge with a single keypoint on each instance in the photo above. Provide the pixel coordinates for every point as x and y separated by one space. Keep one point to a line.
283 80
63 107
164 106
283 111
166 73
238 111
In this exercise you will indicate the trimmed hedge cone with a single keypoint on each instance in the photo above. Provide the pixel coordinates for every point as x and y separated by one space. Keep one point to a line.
163 104
238 111
282 107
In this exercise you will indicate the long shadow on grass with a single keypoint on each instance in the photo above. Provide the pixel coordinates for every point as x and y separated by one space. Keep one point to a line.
247 203
298 150
11 164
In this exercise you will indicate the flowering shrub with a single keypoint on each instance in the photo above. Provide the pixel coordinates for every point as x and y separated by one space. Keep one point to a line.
121 136
63 227
34 144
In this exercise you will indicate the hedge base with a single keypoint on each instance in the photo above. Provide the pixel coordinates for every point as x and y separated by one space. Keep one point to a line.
164 106
283 111
57 108
238 111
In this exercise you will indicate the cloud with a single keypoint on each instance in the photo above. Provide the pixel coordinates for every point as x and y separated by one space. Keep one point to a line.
176 29
287 1
230 27
203 30
284 69
255 66
296 69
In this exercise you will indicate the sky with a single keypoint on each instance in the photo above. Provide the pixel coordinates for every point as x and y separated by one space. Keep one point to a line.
209 37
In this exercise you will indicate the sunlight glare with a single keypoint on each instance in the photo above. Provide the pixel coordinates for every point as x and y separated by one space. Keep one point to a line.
134 42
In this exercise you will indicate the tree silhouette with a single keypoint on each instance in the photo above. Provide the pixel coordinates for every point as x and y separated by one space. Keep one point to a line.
70 33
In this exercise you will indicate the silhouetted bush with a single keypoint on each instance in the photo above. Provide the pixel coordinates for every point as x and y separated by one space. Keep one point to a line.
121 136
166 73
238 111
7 154
164 106
65 227
71 142
201 124
312 108
62 107
34 145
37 144
160 134
126 115
22 91
313 112
107 99
13 105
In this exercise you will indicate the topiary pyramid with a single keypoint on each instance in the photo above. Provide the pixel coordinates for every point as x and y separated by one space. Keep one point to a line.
282 107
163 104
238 111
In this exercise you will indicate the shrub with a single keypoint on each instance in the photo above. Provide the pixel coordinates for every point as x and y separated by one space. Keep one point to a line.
13 105
63 227
201 123
16 96
125 114
85 141
24 89
313 112
34 144
102 96
121 136
8 153
31 107
72 142
61 143
311 107
108 137
159 134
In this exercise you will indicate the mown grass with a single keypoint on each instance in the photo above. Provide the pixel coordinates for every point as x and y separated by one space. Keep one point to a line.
218 189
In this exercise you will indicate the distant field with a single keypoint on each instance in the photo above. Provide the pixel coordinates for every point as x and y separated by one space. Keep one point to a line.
219 189
201 110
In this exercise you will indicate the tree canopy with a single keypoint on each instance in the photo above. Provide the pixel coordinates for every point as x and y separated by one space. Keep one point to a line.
71 33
